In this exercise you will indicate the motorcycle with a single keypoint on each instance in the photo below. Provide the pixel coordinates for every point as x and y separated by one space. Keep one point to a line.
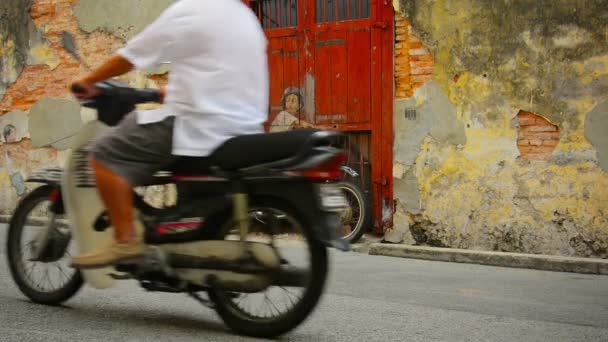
224 236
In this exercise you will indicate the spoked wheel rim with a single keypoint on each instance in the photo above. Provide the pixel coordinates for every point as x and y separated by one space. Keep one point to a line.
352 216
43 276
274 301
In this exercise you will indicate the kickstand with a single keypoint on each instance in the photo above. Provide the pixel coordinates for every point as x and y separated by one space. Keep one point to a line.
205 302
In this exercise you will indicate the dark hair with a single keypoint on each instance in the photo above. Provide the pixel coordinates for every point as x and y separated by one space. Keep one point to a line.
292 91
7 131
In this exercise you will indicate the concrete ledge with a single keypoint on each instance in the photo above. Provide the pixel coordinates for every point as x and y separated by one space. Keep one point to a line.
516 260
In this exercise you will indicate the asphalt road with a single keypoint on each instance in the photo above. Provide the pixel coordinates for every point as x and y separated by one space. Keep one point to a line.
368 299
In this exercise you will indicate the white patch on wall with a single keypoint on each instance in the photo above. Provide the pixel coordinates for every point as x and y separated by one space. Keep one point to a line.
55 123
399 170
571 36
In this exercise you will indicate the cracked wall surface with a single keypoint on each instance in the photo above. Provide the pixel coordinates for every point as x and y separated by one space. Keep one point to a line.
15 31
38 116
123 18
493 60
596 128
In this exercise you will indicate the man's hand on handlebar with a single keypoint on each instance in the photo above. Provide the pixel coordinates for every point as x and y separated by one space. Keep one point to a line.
83 89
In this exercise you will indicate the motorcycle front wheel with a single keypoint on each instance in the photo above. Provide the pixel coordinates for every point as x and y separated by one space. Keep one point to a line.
278 309
48 279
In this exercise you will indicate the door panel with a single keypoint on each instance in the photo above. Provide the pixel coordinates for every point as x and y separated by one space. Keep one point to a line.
343 76
359 76
331 81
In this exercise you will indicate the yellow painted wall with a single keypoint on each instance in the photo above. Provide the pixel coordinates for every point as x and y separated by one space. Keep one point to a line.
493 59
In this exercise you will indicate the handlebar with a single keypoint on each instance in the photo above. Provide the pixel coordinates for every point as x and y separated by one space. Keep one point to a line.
115 100
121 93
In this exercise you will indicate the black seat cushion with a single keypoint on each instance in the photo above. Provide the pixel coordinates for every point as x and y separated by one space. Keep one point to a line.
247 150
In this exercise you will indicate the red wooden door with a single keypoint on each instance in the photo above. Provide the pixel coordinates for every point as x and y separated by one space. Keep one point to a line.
342 63
331 67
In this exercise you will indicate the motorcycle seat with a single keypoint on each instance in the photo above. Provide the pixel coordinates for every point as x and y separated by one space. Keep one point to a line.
273 150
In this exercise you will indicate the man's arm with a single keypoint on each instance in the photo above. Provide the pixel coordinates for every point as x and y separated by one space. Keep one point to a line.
115 66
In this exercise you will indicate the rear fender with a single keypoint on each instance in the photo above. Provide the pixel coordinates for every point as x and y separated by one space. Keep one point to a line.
301 195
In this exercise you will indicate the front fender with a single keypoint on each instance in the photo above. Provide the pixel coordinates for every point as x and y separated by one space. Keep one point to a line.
51 176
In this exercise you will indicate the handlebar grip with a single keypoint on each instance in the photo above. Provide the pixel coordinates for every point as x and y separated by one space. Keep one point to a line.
77 89
148 95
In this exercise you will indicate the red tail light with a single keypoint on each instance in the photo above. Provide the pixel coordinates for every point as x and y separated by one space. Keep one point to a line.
328 171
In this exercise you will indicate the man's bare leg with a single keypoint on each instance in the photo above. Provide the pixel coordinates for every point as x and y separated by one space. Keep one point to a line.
117 195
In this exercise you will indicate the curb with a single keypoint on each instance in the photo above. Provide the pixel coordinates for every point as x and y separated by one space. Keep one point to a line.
515 260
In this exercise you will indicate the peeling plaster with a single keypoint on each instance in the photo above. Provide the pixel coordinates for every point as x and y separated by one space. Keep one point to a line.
54 123
401 230
396 6
596 130
43 54
435 116
513 45
492 59
407 190
124 18
16 31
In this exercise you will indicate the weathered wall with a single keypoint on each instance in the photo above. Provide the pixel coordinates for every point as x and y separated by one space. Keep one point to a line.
472 173
38 116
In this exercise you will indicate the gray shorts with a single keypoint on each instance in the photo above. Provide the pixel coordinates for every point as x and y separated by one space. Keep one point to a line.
136 152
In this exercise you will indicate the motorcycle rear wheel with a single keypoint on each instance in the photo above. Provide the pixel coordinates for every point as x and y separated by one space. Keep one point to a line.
237 317
23 270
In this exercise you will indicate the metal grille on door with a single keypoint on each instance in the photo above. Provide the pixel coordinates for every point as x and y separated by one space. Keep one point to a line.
339 10
276 13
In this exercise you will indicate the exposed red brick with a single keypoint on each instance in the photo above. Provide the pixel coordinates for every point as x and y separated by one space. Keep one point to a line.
537 137
421 78
414 64
427 70
37 81
536 127
550 142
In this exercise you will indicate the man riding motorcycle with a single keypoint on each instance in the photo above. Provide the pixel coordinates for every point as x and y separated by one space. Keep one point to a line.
218 89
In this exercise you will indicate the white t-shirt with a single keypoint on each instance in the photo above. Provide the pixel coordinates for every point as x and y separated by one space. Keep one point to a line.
218 85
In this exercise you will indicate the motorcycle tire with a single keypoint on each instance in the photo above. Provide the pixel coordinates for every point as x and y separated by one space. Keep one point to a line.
15 253
361 207
244 323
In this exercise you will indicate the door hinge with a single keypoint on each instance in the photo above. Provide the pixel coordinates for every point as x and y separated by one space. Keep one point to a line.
382 25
